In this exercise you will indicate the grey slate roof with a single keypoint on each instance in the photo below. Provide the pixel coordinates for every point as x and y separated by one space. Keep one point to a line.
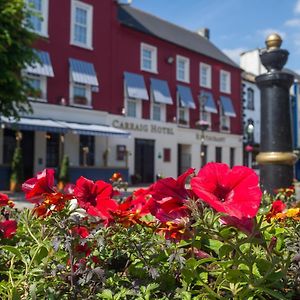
152 25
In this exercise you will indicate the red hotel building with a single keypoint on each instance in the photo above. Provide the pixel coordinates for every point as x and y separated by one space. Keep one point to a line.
120 89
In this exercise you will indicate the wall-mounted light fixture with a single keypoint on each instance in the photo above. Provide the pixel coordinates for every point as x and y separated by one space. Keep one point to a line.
123 111
170 60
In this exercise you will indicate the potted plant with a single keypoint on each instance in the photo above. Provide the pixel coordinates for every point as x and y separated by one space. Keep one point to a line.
17 176
64 174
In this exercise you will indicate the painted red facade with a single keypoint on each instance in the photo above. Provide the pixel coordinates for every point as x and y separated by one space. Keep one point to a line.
116 48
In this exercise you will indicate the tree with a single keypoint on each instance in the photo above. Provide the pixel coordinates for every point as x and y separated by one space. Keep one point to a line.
15 53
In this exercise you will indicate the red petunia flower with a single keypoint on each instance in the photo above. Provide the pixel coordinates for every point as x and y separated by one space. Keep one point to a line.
169 197
4 200
8 228
81 231
35 188
95 197
232 191
277 207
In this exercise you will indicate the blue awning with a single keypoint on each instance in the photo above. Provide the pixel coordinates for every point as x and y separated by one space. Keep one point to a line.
227 106
34 125
43 67
49 125
160 91
135 86
83 72
209 102
185 96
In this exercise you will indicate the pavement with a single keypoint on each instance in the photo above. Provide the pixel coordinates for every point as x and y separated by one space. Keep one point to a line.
21 202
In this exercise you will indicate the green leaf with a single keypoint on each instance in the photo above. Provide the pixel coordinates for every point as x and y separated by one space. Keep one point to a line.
42 253
12 250
274 294
15 294
214 245
107 294
225 250
263 265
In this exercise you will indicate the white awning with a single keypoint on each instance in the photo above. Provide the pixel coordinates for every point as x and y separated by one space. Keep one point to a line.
83 72
135 86
227 106
44 67
160 90
47 125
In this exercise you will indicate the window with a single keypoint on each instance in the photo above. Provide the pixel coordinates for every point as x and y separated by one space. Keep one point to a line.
206 116
225 123
39 87
86 150
9 145
81 24
183 116
52 152
81 94
156 112
131 108
232 152
250 99
148 58
225 82
218 154
38 19
182 69
205 75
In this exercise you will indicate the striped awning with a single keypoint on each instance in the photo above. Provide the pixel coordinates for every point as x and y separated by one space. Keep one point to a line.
47 125
83 72
43 67
34 125
227 106
93 129
135 86
208 102
185 96
160 91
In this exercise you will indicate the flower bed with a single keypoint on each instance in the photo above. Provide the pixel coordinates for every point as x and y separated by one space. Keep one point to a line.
219 238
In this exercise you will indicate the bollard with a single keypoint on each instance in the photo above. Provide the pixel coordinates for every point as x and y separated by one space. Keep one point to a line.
276 157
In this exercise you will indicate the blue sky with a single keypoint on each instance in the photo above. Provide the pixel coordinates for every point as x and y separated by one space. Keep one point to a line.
235 25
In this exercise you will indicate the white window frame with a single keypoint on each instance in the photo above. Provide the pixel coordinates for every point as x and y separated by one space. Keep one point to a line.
162 111
44 16
89 25
153 51
43 80
227 88
186 62
206 116
224 123
88 94
186 113
138 104
207 69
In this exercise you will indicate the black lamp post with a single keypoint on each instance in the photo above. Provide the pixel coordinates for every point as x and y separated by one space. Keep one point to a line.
276 158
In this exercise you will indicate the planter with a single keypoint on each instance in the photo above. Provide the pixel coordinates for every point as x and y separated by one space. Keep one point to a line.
80 100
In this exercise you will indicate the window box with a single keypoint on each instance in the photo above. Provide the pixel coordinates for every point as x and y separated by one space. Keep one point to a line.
35 94
80 100
182 122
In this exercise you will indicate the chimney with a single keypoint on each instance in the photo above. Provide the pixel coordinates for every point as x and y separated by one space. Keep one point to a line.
204 32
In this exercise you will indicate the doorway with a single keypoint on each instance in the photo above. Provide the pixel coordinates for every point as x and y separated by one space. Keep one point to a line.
144 160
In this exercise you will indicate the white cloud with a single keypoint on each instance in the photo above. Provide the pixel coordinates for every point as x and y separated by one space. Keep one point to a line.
292 23
268 31
297 7
234 54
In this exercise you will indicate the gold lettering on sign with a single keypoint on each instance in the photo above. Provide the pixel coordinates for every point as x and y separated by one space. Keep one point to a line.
210 138
142 127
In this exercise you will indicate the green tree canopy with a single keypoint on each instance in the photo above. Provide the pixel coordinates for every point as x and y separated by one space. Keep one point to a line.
15 53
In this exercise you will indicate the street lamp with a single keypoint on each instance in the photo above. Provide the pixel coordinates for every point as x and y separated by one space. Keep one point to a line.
203 126
249 141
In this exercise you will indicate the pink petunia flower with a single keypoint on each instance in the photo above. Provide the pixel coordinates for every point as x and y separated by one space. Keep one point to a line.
232 191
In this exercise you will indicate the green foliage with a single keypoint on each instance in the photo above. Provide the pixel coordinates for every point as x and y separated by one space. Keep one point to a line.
17 175
43 260
15 52
64 175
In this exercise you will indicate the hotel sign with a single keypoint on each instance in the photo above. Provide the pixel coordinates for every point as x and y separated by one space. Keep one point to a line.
142 127
211 138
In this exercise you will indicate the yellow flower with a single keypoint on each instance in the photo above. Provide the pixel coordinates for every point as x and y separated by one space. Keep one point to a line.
292 212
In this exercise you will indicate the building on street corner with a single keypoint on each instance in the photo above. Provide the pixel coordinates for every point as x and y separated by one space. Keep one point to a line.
119 89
